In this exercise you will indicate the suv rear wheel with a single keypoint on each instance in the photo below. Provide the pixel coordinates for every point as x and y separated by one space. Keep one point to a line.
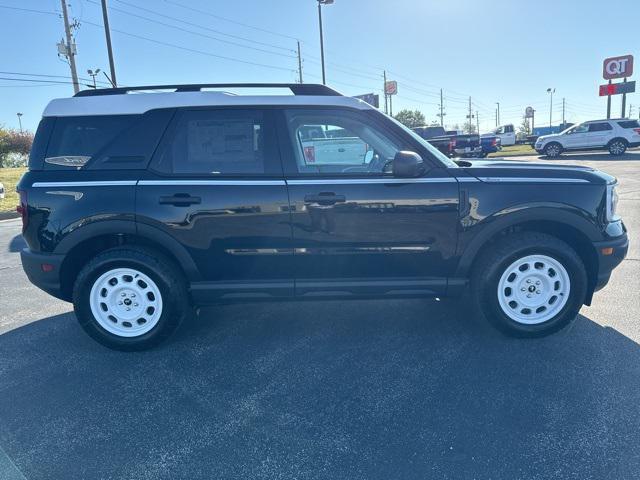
553 149
530 284
617 146
130 298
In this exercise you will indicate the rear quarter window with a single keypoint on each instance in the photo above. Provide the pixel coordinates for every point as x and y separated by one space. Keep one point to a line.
78 139
629 124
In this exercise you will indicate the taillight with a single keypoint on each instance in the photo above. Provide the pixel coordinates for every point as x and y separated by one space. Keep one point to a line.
637 130
452 145
494 142
23 209
310 154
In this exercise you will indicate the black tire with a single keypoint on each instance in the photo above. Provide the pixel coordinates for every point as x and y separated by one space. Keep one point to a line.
160 269
617 147
553 150
493 263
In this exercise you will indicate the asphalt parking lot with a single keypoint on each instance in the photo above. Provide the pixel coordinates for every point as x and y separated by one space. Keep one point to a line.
336 390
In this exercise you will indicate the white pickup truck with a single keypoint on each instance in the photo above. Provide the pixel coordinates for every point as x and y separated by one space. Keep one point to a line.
506 134
331 147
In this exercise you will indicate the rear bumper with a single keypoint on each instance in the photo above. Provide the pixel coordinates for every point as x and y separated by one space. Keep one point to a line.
606 263
49 281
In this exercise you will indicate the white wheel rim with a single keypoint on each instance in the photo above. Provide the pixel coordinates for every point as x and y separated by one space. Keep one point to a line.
533 289
553 150
617 148
126 302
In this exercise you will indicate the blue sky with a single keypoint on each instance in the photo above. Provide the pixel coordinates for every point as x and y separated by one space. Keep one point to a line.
509 51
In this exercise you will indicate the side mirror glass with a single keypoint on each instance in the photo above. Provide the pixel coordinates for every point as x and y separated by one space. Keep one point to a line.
368 156
408 165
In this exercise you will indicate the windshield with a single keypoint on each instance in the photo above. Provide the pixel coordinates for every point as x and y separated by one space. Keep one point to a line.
432 150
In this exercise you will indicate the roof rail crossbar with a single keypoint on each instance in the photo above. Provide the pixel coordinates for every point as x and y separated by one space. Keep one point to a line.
296 88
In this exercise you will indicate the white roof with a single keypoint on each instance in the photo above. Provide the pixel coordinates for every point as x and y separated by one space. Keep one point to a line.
138 103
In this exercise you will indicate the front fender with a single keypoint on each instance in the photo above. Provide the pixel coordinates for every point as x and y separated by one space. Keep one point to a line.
477 233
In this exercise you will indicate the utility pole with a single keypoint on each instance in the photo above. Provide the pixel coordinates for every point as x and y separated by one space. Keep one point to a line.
70 48
498 114
551 91
609 104
470 116
624 100
384 90
630 111
496 117
299 62
442 114
107 33
478 122
563 105
391 105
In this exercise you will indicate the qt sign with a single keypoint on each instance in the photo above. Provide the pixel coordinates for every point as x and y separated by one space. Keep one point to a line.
617 67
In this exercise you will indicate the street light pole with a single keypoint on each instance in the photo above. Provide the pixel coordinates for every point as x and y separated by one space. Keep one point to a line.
498 114
93 73
551 91
20 120
320 3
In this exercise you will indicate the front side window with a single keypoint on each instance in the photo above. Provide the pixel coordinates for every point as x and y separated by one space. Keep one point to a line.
339 142
582 128
215 142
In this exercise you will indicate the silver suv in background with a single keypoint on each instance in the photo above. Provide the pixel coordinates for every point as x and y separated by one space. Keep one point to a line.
614 135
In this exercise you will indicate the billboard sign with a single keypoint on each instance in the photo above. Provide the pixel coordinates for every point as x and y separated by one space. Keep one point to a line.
528 112
371 98
617 88
617 67
391 87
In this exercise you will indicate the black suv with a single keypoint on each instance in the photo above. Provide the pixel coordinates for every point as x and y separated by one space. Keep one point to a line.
140 203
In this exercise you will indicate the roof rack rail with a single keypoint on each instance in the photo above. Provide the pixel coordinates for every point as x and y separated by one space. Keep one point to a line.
296 88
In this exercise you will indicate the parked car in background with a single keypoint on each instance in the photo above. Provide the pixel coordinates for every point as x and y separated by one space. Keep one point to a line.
540 131
452 143
506 134
1 191
613 135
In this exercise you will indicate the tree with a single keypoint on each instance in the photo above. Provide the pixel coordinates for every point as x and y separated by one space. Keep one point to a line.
14 144
470 127
525 128
410 118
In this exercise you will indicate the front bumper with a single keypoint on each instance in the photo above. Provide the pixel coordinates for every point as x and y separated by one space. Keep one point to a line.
607 262
41 277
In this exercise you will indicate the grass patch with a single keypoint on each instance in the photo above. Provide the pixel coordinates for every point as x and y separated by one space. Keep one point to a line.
10 177
514 150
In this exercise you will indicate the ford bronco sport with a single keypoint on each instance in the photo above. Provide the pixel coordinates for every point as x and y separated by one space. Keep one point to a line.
141 202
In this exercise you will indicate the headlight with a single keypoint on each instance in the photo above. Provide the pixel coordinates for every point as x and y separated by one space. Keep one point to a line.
612 202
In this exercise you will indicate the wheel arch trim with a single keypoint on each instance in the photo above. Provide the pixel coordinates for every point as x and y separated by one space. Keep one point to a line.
512 217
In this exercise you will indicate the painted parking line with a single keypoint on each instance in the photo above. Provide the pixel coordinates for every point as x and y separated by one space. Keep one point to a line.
8 469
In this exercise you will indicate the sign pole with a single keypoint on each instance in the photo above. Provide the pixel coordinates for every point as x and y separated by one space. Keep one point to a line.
609 104
624 100
386 103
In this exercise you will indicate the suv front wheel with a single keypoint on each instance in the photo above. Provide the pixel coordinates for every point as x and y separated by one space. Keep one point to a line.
130 298
553 150
530 284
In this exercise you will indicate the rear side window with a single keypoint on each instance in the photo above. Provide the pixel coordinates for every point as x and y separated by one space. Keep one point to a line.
599 127
76 139
219 142
40 142
629 124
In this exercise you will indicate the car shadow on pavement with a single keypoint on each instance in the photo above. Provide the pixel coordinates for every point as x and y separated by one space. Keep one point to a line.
381 389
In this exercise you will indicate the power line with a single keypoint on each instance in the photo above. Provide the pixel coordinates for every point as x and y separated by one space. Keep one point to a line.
237 37
193 50
158 22
232 21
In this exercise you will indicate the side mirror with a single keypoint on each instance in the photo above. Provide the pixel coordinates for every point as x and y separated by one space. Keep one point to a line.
407 165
